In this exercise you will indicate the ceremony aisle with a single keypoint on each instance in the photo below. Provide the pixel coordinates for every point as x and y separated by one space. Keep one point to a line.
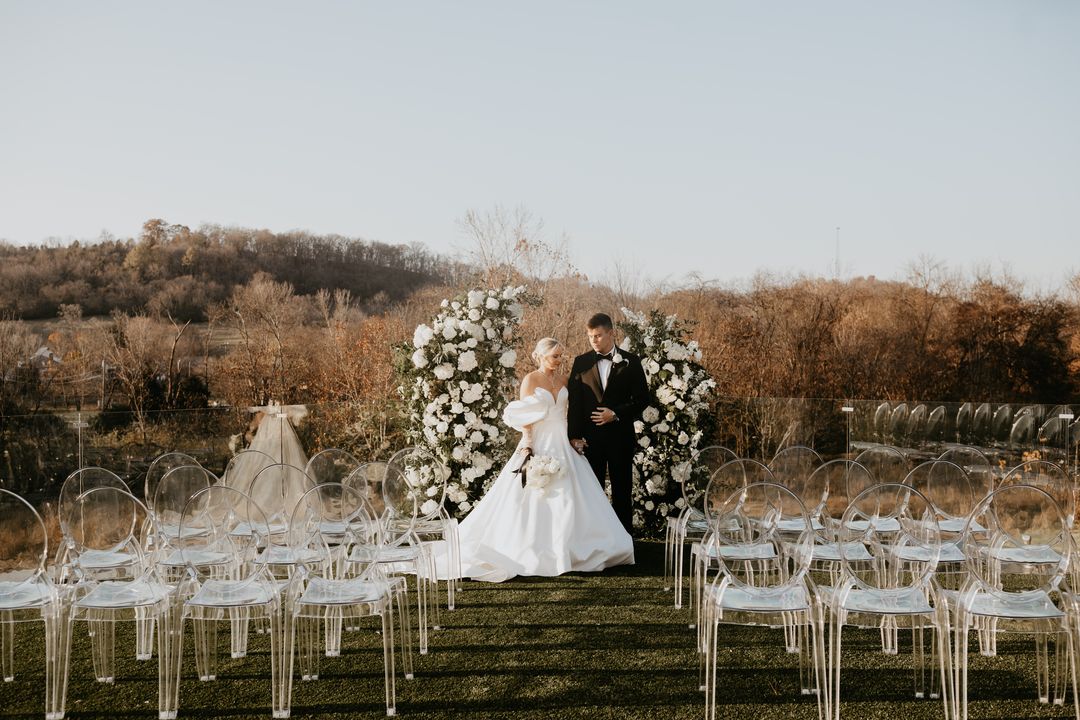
607 645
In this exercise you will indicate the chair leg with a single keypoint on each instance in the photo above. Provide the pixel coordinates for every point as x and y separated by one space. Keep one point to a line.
388 663
57 651
170 641
282 638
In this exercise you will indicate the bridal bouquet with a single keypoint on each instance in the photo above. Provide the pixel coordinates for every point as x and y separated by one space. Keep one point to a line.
542 471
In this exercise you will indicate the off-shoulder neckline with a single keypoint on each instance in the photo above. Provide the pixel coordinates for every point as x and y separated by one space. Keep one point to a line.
554 396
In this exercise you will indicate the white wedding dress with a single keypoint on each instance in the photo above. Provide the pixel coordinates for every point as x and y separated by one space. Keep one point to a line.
567 526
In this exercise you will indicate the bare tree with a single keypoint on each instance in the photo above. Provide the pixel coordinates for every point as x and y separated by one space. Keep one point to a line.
509 246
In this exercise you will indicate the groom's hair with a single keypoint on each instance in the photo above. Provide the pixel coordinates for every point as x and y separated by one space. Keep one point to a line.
600 320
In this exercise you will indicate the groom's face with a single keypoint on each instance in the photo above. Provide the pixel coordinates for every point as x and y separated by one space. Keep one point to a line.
602 339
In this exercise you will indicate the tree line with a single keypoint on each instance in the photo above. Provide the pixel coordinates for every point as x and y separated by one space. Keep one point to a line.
172 269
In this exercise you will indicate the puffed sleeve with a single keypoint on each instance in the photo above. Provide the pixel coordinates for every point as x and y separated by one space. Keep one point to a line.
520 413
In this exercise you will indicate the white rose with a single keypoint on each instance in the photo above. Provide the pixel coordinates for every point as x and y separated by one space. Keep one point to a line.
477 437
444 303
467 361
465 506
444 371
456 305
662 427
458 453
492 304
476 298
449 331
650 414
457 408
652 366
492 333
670 417
419 359
475 314
422 336
516 311
679 404
429 508
649 505
460 431
442 427
683 438
639 427
644 442
508 359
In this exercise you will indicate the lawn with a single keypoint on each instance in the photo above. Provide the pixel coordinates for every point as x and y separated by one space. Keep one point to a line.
578 646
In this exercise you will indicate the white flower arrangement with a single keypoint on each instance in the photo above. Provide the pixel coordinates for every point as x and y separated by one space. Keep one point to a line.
542 471
457 375
671 430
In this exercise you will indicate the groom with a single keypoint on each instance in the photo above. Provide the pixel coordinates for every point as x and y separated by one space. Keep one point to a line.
608 392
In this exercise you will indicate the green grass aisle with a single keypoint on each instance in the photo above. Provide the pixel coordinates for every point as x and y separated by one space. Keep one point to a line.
578 646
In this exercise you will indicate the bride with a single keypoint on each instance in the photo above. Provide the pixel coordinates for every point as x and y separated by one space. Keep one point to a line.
566 525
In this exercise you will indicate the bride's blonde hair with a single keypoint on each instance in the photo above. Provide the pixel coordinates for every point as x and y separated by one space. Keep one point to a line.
544 347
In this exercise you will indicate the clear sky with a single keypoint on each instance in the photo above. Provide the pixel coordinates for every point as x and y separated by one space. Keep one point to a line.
714 137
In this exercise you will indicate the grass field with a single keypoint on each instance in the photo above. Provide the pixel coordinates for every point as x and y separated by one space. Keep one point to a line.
578 646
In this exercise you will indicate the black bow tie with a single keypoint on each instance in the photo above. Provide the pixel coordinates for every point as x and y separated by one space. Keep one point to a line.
605 356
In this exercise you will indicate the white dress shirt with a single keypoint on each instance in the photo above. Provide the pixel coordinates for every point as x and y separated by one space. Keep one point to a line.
603 366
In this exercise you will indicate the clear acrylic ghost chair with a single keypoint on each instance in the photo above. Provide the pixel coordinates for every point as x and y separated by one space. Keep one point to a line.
320 592
948 488
275 491
895 594
402 553
976 464
89 560
887 465
777 595
110 520
227 577
160 466
172 493
1052 479
27 594
693 476
728 479
1018 547
429 475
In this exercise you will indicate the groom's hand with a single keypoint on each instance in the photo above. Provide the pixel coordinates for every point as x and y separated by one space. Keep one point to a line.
579 445
603 415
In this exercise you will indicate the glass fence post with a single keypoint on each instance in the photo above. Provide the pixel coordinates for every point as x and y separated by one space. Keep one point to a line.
78 424
847 409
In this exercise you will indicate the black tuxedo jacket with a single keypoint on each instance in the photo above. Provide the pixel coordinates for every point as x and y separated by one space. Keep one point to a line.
627 393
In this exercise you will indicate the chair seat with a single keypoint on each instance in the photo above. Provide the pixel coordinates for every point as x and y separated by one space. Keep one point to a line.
20 595
197 558
748 599
235 593
1029 605
756 551
798 525
853 551
956 525
949 553
281 555
1035 554
105 559
322 591
116 594
881 525
906 601
368 554
174 532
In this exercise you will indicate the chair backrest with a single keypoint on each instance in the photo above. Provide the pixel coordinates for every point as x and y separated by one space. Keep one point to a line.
936 424
1001 422
949 490
331 513
752 517
243 467
173 492
916 424
1051 478
24 546
881 520
792 468
426 475
331 465
107 519
693 475
161 465
75 485
729 478
275 491
1021 532
222 520
400 499
367 480
976 464
886 463
832 481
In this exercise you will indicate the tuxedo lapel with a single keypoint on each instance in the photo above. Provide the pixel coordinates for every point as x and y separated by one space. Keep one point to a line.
591 377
